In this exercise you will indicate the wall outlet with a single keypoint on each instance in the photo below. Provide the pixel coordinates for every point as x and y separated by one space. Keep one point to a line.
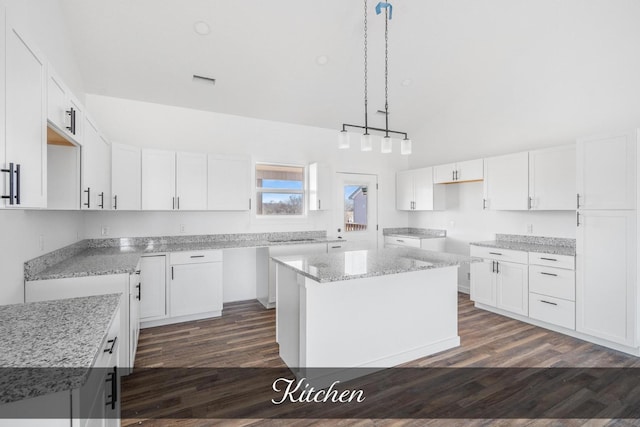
529 228
104 231
41 242
183 228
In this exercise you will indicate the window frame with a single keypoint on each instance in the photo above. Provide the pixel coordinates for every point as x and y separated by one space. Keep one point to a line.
258 191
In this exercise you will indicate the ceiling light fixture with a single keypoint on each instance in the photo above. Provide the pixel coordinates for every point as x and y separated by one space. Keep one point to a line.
365 139
201 28
322 60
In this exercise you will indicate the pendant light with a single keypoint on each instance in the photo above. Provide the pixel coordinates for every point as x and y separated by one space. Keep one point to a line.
366 142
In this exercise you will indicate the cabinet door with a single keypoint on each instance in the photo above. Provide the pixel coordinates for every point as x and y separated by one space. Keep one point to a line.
552 183
153 276
320 187
512 287
506 182
444 173
135 294
158 180
125 177
470 170
229 183
195 288
404 191
191 181
26 117
483 282
4 177
606 275
428 197
90 166
57 96
606 171
104 174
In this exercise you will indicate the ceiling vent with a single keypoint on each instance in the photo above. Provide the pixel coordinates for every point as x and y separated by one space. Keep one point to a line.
203 79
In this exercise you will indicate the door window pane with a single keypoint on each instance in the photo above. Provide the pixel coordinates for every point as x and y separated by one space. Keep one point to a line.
355 207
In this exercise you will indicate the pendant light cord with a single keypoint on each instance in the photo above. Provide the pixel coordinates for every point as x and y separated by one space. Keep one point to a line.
366 101
386 71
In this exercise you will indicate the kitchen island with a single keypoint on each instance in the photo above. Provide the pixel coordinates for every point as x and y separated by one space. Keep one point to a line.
365 309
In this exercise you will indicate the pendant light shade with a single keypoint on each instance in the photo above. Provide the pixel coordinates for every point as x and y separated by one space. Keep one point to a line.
387 145
405 146
366 142
343 140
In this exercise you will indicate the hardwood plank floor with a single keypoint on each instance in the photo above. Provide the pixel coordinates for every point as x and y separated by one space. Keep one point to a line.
245 337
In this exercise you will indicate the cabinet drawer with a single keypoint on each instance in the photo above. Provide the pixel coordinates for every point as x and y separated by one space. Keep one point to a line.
195 257
402 241
551 260
555 282
500 254
552 310
108 352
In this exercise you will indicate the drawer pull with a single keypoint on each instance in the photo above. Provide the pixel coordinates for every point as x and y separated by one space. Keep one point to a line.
196 256
548 274
547 302
400 240
336 247
113 344
495 253
548 259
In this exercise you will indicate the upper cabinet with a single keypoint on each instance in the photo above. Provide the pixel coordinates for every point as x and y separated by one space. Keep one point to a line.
506 182
320 187
174 181
24 158
95 169
64 111
606 172
470 170
222 171
126 174
415 191
552 178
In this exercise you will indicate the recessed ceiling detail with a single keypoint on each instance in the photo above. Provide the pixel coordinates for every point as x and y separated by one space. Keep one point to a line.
202 28
322 60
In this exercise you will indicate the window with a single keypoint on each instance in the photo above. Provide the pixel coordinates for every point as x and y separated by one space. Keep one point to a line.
355 207
280 190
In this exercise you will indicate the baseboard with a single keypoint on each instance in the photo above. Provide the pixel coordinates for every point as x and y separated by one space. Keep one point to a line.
179 319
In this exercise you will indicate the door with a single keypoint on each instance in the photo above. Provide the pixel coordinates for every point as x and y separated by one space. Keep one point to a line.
506 182
125 177
191 181
26 121
404 190
552 182
483 283
153 276
229 183
606 172
158 180
512 287
357 213
606 275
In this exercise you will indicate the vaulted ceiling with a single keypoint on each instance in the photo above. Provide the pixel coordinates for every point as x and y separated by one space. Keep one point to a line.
453 63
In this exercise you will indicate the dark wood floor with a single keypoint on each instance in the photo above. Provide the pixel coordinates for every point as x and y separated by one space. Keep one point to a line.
245 337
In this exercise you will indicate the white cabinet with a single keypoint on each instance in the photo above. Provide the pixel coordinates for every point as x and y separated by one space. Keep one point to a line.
126 177
415 191
606 261
431 243
153 277
173 181
552 289
95 169
552 178
24 158
63 177
501 279
606 171
135 296
64 111
229 183
506 182
320 187
196 284
158 180
469 170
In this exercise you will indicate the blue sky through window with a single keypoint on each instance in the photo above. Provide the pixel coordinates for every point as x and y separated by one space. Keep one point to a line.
281 183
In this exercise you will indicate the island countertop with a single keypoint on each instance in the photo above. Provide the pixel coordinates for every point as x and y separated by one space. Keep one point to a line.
334 267
63 336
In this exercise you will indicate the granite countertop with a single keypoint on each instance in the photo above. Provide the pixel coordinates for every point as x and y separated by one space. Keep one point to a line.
63 336
414 233
348 265
115 259
548 245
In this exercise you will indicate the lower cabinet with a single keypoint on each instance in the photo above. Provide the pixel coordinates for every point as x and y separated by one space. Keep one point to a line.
135 295
552 289
195 286
431 243
153 278
500 283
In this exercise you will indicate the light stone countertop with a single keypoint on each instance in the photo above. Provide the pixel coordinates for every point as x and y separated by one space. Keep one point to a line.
50 346
348 265
96 261
415 233
548 245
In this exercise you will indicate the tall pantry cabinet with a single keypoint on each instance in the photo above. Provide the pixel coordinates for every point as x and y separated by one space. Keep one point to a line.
606 238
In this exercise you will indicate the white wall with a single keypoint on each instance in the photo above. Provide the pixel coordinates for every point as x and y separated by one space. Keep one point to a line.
174 128
44 24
